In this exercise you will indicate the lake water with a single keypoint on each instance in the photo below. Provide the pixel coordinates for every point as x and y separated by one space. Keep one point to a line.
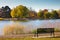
32 24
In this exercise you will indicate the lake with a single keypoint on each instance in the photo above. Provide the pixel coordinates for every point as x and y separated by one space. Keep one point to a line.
31 24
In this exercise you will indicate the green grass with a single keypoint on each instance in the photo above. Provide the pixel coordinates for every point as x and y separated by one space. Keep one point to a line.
29 38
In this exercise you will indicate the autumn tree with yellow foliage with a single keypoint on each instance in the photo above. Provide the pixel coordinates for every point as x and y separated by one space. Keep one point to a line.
20 12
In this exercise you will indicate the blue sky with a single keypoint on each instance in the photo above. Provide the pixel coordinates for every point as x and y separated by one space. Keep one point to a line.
35 4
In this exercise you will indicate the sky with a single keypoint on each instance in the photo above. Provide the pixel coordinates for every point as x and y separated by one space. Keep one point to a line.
34 4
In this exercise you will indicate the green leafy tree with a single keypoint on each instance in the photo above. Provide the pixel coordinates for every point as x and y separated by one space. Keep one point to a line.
41 14
20 12
55 15
48 15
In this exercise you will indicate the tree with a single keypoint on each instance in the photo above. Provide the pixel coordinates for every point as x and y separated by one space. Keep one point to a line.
5 12
40 14
48 15
20 12
14 29
58 11
55 15
32 14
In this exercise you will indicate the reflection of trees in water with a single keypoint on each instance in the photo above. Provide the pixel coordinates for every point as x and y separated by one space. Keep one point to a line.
13 29
54 24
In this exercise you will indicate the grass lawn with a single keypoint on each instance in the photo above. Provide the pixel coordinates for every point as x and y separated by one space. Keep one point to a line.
29 38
